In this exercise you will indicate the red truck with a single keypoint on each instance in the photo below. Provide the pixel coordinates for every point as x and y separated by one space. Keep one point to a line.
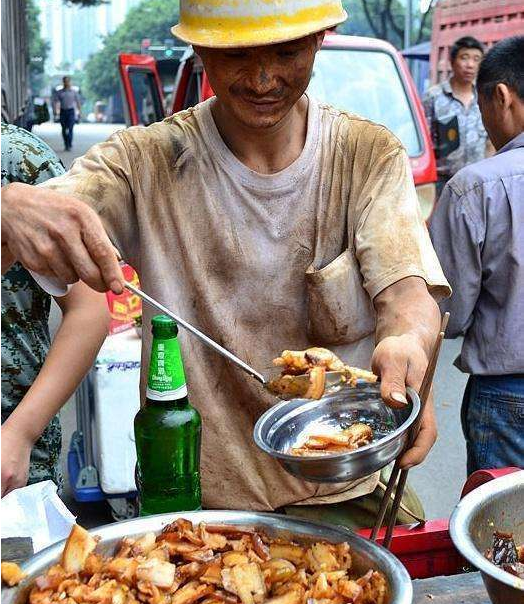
487 20
363 75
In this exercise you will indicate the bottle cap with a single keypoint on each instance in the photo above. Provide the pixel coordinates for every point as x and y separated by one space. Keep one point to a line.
164 327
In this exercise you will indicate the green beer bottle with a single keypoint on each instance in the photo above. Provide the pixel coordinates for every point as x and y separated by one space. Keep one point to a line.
167 431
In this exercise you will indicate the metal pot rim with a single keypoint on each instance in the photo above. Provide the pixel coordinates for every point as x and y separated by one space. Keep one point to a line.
459 526
360 452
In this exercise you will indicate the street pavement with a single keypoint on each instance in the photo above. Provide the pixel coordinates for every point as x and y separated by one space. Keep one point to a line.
84 137
438 481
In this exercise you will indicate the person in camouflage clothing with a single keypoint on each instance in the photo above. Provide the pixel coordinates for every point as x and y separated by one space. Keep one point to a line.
39 376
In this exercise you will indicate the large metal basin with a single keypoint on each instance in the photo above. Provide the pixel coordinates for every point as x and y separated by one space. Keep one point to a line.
288 423
366 554
496 505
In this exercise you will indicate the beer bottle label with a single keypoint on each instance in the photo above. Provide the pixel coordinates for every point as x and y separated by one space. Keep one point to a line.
166 379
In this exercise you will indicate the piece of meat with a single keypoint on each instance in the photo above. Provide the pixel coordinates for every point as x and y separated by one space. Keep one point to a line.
358 434
303 360
144 545
11 573
321 557
374 588
516 569
278 570
345 441
77 548
351 590
161 574
315 362
317 383
191 592
260 548
246 581
123 569
354 374
293 553
286 385
504 550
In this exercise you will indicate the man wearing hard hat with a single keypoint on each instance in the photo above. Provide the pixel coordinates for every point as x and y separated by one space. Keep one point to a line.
268 220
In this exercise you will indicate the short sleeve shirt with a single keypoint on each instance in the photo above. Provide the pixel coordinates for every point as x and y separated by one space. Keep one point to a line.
25 306
68 98
260 263
441 105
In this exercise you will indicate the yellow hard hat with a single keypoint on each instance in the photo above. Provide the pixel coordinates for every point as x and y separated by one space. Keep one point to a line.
237 23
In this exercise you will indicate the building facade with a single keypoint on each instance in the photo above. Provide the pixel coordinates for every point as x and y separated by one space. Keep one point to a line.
487 20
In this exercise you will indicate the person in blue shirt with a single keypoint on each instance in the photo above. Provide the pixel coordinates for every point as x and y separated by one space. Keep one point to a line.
478 233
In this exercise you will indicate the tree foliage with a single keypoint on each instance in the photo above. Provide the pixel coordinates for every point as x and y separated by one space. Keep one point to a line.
38 48
385 19
150 19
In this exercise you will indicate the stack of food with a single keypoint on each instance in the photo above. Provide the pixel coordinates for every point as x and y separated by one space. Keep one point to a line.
313 362
206 564
505 554
343 441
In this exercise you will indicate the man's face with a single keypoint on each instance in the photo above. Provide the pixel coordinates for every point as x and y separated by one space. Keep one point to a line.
466 64
260 85
502 114
67 82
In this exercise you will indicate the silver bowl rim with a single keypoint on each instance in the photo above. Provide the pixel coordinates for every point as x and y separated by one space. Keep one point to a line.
402 580
360 452
460 521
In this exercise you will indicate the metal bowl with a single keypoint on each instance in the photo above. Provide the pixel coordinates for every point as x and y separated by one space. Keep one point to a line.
289 423
366 554
496 505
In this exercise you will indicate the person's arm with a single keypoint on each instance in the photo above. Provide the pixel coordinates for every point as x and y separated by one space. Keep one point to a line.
457 233
429 111
402 276
55 229
78 104
82 331
408 321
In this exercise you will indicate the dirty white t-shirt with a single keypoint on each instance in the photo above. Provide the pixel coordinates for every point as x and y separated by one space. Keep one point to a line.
260 263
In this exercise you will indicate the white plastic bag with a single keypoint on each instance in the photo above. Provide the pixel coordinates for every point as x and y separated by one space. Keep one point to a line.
36 511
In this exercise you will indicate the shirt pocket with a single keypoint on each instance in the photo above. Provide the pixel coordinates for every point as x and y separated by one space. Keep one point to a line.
340 310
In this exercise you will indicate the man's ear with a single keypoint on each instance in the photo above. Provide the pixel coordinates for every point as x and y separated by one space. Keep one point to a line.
502 95
319 38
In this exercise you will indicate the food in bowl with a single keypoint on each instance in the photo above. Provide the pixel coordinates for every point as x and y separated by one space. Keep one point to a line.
11 573
506 555
313 362
342 441
207 564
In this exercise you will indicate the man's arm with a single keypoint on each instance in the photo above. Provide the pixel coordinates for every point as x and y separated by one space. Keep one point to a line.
78 104
55 229
408 322
457 236
428 103
402 276
82 331
58 236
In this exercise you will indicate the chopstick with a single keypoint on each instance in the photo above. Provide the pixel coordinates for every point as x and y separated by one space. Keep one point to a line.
424 392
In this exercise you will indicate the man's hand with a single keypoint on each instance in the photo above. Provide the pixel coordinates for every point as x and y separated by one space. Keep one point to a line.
408 321
16 449
401 361
58 236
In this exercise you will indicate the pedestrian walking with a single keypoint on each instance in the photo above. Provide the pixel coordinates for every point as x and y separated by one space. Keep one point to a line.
478 233
68 106
453 114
